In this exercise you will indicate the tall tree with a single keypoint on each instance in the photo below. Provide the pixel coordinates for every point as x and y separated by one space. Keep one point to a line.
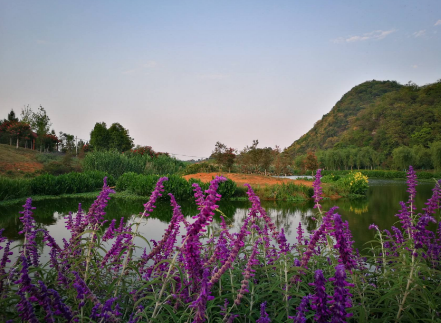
99 137
119 138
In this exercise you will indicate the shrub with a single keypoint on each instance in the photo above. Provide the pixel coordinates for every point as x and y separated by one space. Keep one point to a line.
11 188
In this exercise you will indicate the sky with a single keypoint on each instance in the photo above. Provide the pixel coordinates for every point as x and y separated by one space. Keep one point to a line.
182 75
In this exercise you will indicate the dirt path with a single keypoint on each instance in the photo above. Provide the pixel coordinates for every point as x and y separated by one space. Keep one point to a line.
242 179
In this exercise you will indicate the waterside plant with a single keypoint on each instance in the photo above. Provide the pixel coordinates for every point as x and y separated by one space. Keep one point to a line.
197 273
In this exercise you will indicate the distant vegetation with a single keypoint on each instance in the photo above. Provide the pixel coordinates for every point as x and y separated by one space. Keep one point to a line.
378 125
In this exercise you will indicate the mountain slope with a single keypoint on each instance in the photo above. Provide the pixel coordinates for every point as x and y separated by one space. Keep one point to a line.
380 114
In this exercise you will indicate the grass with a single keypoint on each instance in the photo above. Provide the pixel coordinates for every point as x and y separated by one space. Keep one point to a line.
10 154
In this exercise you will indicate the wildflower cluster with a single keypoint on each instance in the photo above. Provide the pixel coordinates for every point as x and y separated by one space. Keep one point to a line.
201 272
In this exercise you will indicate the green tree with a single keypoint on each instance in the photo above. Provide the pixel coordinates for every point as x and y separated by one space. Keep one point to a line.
403 157
435 149
41 124
99 137
119 138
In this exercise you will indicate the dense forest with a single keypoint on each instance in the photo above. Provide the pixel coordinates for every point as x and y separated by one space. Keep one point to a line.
378 123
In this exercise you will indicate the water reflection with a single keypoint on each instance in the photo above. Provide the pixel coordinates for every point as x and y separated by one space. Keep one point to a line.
380 206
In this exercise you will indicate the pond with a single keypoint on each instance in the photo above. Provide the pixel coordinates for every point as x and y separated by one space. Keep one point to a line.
379 207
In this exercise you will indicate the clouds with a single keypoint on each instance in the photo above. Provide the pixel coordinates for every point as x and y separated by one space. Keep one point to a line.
438 23
420 33
373 35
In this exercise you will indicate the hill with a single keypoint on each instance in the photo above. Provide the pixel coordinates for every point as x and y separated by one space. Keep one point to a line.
379 114
18 160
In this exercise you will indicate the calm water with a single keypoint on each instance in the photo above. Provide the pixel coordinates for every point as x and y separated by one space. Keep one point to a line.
380 206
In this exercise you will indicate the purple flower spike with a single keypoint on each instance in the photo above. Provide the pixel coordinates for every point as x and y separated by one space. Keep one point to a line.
281 239
343 245
317 188
302 309
412 182
319 299
433 203
342 298
248 273
312 244
300 234
200 303
96 212
264 318
192 248
150 205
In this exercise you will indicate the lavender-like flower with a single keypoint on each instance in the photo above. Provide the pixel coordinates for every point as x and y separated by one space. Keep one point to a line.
200 303
150 205
341 300
238 244
319 299
96 212
412 182
301 310
300 233
248 273
433 203
257 208
406 220
192 246
25 309
281 239
317 189
346 253
311 245
30 246
264 318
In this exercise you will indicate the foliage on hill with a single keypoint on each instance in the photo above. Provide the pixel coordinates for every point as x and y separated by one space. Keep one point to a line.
383 115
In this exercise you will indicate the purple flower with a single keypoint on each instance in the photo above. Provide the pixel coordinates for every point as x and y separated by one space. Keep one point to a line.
281 239
300 234
311 245
405 219
150 205
412 182
96 212
192 248
248 273
341 300
319 299
200 303
264 318
301 310
257 208
25 309
317 188
433 203
343 245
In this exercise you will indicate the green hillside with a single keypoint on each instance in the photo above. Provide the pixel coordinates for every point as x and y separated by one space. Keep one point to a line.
380 114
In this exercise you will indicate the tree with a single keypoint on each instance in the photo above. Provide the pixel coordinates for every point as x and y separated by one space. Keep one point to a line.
41 124
99 137
67 142
119 138
310 162
12 117
19 130
435 149
223 155
402 157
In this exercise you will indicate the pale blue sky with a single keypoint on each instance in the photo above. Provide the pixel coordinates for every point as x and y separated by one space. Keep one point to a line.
181 75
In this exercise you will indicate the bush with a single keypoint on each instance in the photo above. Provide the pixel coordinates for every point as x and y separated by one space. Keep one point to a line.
180 187
11 188
70 183
116 164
